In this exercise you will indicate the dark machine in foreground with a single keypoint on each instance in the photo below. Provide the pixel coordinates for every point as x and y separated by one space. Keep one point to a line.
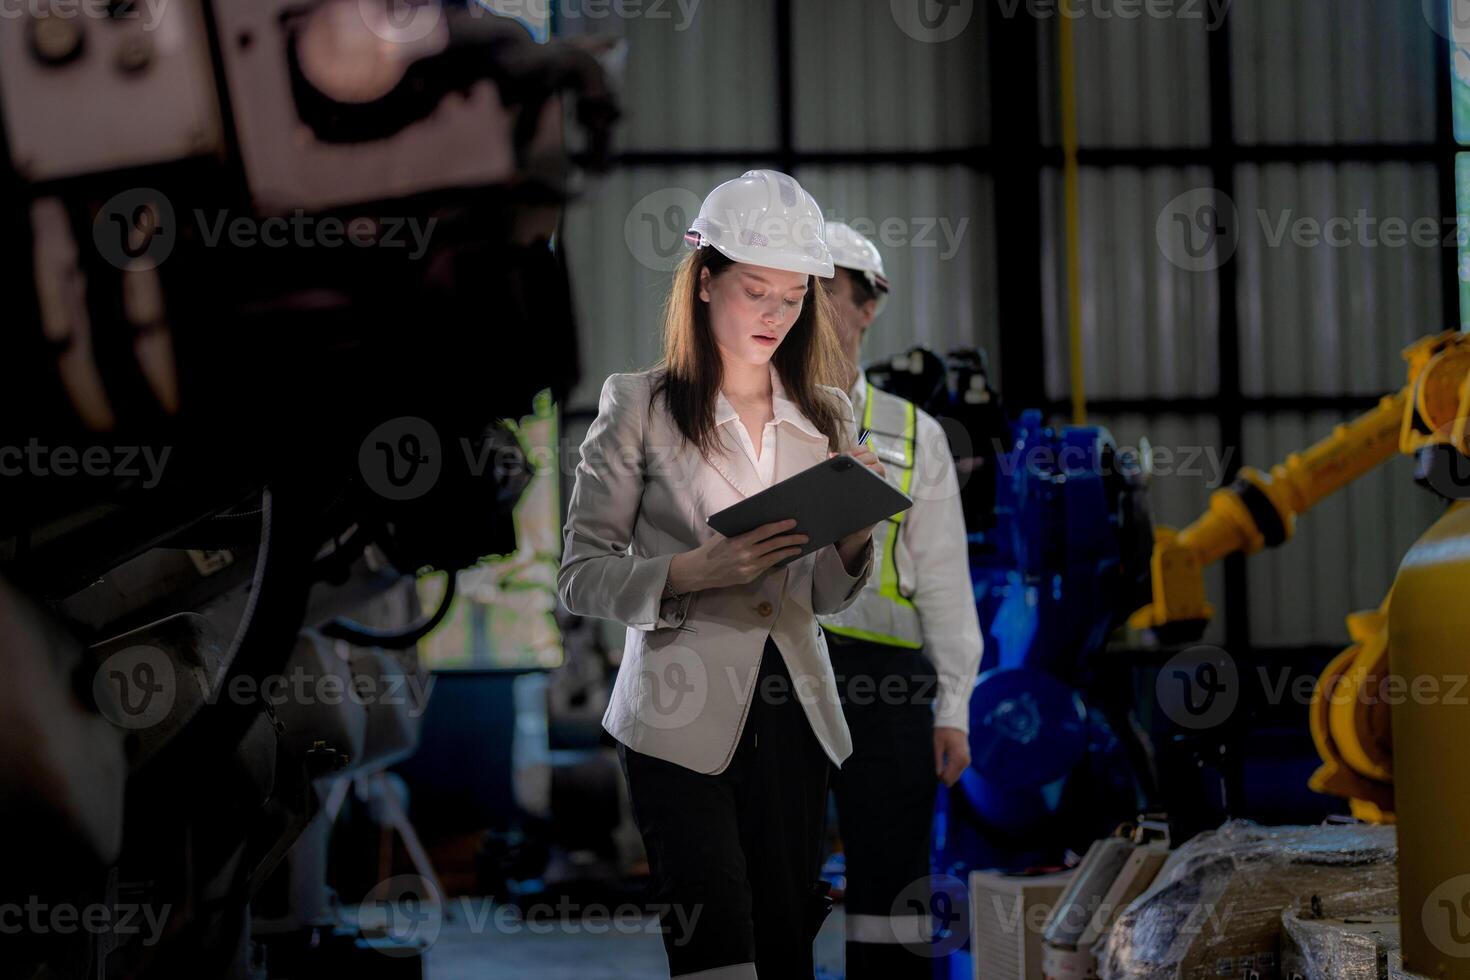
278 270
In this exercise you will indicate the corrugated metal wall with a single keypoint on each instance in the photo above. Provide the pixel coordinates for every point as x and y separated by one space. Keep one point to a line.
1189 464
1317 320
859 84
1149 327
1327 319
862 84
622 240
1159 64
1332 71
707 82
935 227
1332 318
1321 320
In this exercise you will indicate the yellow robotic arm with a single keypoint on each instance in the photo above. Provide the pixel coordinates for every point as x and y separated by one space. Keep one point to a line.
1398 689
1259 510
1350 721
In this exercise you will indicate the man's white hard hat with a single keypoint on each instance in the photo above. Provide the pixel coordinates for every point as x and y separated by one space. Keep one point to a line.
855 251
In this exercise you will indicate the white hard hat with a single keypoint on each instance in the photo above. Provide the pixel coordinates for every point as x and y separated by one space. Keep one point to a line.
764 218
855 251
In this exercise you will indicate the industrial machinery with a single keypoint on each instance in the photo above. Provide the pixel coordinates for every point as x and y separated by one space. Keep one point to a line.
1061 543
1113 872
1059 530
1416 637
278 270
1350 721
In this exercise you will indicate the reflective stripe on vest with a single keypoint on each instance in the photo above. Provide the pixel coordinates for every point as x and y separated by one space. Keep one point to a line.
881 614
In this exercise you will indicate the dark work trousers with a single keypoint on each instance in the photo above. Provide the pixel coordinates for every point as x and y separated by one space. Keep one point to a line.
885 805
734 856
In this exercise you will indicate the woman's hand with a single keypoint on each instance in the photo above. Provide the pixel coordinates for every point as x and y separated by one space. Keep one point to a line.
722 561
852 545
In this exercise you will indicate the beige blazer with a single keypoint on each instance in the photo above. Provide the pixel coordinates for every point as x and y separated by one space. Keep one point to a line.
642 495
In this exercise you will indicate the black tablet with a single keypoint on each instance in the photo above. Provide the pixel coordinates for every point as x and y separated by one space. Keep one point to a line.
829 501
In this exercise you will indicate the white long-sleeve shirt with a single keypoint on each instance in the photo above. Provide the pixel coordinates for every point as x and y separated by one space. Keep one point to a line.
932 559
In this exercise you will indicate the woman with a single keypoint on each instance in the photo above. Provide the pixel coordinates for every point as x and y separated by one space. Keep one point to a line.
725 705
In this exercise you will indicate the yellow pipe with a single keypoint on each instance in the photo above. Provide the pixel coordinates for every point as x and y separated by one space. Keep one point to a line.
1070 183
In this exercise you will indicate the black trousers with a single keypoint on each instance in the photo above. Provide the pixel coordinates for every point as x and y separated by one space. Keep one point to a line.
735 857
885 803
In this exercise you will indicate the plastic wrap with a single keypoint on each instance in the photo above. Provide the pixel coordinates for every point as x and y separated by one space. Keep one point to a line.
1356 948
1215 908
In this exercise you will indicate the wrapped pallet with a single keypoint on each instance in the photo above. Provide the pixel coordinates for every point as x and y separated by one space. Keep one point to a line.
1215 908
1315 946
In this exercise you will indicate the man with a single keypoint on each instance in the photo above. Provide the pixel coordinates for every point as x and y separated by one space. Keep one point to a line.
905 653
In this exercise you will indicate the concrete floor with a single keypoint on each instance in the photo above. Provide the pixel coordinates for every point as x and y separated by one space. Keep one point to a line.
463 951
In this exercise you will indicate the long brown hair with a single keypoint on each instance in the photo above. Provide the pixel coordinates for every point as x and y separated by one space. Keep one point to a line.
691 372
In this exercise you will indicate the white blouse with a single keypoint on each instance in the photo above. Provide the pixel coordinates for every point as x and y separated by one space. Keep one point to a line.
784 410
